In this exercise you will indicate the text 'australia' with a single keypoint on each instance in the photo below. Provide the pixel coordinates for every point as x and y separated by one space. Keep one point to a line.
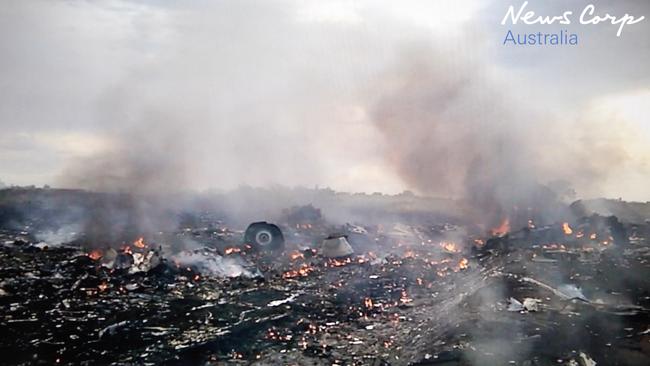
561 38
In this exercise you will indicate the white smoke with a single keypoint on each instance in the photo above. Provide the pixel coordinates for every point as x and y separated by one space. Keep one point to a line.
212 264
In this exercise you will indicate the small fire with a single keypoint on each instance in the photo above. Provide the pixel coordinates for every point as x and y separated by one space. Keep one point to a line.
333 262
592 236
303 271
95 254
232 250
463 264
567 229
139 243
103 286
531 224
362 259
450 247
295 255
502 229
404 298
367 302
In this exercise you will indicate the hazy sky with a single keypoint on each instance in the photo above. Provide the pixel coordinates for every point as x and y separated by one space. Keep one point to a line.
202 94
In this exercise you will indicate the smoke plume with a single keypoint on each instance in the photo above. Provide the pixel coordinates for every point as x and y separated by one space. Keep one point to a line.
451 130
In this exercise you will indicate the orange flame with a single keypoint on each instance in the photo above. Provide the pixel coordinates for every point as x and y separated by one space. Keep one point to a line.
502 229
139 243
95 254
367 302
103 286
463 264
303 271
231 250
567 229
450 247
404 298
295 255
333 262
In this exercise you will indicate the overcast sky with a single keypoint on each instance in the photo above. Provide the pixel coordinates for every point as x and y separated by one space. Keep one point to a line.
214 94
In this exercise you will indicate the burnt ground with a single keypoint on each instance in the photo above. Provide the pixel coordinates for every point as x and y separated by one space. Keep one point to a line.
415 304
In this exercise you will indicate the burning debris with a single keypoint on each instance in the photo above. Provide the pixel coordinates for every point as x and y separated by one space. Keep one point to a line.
426 293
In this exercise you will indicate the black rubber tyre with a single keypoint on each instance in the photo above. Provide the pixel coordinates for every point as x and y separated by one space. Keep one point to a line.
264 236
